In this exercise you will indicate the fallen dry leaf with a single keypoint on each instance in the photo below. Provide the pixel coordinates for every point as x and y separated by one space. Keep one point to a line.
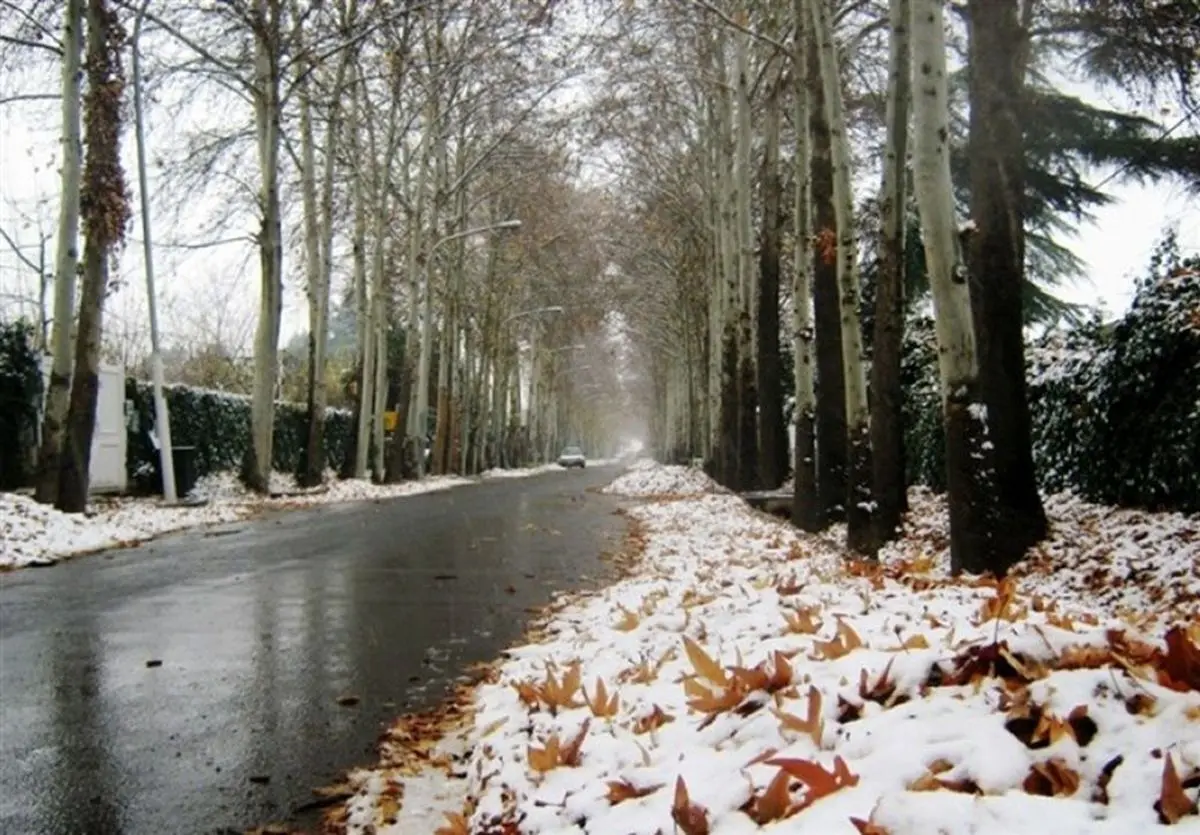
703 663
1173 803
621 790
456 824
690 817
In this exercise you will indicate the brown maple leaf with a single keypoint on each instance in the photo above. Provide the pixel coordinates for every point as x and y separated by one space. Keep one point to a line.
819 781
812 725
775 801
1173 803
652 721
1180 667
1052 778
690 817
455 824
601 704
703 663
621 790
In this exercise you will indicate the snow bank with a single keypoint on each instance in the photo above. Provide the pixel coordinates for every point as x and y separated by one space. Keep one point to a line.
34 534
647 479
745 675
1121 562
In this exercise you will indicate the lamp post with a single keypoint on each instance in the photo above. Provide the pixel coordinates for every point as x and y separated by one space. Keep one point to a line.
162 418
421 412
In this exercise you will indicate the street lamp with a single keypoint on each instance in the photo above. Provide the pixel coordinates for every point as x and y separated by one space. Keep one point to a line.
421 413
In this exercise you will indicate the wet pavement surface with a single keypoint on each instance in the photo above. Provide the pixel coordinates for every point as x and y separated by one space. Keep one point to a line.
193 685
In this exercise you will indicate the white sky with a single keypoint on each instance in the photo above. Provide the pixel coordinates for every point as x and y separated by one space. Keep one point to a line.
193 283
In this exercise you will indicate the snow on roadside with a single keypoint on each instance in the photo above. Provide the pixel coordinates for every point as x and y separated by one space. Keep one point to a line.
33 534
1121 561
647 480
746 675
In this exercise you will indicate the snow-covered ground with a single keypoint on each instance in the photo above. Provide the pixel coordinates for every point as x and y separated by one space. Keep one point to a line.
33 534
745 676
646 479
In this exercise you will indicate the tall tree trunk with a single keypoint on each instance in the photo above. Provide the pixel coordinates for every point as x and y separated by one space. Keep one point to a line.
831 385
747 440
887 394
996 259
105 209
66 261
968 457
859 505
365 336
860 532
772 435
312 464
807 512
267 116
318 294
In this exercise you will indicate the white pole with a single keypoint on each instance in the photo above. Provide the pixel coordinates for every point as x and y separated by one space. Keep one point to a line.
162 419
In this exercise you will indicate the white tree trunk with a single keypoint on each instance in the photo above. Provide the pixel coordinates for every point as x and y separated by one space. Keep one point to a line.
859 528
67 257
267 116
362 298
969 477
806 511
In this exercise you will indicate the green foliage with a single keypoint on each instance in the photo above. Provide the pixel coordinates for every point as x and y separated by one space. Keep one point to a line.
1115 408
924 440
217 424
20 392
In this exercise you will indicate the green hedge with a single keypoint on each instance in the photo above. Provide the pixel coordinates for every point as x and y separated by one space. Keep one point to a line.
20 391
1115 408
217 424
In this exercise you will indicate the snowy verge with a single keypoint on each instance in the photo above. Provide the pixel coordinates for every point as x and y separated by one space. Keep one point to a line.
747 676
645 479
32 534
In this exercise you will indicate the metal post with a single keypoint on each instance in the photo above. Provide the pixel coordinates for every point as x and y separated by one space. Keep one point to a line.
162 418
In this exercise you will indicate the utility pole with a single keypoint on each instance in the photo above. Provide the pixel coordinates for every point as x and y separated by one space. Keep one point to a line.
162 418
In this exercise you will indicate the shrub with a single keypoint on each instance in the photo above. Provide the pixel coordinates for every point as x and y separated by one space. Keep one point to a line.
217 425
20 392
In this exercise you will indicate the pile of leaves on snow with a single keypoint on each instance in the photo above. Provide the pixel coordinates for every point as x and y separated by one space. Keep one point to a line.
1115 406
747 676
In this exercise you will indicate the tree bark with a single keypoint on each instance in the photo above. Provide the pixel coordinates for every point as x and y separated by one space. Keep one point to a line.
887 394
830 380
860 532
772 436
996 258
968 454
747 400
806 505
312 464
267 115
105 214
315 458
66 261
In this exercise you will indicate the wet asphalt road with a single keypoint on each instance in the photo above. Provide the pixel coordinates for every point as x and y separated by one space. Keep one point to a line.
260 628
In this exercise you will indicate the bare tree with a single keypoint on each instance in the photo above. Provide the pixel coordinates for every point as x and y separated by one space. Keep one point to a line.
105 213
54 418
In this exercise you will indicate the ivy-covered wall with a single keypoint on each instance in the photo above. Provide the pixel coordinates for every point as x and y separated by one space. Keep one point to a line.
217 424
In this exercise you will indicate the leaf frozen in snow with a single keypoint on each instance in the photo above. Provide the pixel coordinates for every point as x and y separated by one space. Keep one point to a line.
703 663
1173 803
690 817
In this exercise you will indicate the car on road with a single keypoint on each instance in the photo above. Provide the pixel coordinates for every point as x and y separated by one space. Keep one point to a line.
572 456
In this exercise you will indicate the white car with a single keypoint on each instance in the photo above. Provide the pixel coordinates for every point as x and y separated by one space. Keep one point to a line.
572 456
